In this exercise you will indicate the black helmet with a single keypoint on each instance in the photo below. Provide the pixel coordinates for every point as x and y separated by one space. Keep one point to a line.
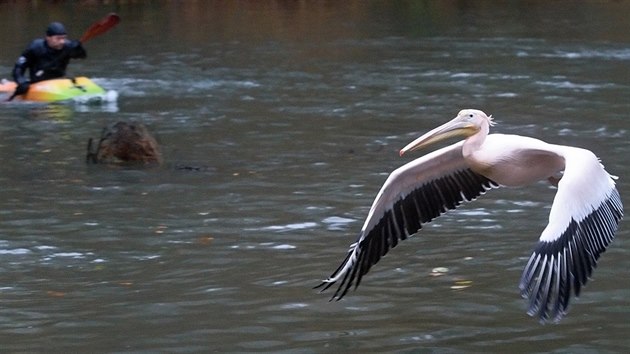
55 29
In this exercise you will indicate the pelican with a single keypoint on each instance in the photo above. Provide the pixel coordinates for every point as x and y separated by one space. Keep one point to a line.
584 216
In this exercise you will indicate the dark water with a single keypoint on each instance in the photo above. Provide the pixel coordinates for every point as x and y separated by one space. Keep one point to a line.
292 114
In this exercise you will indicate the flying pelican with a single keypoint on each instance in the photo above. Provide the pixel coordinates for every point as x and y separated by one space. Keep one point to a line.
583 220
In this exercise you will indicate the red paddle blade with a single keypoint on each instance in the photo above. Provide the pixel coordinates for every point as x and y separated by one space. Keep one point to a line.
100 27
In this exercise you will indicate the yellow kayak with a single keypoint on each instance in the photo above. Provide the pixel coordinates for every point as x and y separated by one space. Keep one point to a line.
55 89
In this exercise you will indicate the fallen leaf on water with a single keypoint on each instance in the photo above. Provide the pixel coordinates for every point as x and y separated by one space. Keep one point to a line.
462 284
53 293
205 240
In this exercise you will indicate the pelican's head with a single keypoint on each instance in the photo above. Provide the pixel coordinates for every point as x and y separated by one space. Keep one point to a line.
467 123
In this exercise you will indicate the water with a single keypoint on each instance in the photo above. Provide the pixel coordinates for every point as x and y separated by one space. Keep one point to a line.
290 115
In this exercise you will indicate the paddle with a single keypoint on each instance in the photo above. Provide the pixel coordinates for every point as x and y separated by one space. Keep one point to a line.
96 29
100 27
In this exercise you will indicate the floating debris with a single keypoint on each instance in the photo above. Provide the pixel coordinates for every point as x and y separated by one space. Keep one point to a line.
439 271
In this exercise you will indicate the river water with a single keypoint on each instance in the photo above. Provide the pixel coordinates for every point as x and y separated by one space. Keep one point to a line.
289 116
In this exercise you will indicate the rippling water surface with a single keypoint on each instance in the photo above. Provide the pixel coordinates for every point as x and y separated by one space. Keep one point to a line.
288 117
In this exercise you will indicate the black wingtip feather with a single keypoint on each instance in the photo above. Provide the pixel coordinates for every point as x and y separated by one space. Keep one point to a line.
557 269
405 218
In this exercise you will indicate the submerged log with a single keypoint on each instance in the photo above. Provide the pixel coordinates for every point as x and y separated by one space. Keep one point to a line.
124 143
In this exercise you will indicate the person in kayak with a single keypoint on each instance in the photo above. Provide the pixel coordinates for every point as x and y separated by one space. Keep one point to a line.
46 58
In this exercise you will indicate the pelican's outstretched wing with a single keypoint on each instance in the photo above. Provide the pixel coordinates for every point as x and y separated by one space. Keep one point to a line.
584 217
413 194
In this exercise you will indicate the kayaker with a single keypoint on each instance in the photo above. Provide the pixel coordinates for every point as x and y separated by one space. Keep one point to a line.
46 58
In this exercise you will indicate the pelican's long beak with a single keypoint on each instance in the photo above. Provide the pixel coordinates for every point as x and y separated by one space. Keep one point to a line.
459 126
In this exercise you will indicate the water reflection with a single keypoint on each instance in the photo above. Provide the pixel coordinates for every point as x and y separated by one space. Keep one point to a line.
61 111
55 112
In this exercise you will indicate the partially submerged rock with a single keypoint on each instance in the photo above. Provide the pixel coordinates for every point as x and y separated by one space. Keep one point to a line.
124 142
